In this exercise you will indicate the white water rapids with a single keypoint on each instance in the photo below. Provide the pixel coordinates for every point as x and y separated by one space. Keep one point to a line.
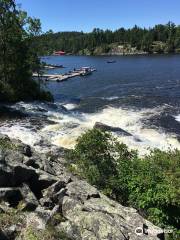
64 127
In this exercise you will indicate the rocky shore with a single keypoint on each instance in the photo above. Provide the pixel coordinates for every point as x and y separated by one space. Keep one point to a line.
41 199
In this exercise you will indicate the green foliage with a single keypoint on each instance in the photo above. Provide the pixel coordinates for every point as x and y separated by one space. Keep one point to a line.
159 39
155 187
18 54
97 155
150 184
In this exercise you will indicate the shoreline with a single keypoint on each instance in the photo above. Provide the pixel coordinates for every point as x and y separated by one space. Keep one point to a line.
111 55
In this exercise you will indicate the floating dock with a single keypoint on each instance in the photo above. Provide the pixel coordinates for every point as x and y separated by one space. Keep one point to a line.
62 77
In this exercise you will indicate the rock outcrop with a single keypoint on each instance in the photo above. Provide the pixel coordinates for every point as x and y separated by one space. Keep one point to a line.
120 131
36 191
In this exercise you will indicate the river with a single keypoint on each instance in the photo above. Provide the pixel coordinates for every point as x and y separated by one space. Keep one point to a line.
140 94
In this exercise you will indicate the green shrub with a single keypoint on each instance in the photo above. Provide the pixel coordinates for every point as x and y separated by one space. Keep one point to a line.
97 156
150 184
154 187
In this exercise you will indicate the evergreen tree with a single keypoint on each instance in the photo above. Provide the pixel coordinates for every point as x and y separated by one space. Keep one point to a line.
160 38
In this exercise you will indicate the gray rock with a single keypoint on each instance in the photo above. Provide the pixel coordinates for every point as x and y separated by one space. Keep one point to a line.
30 202
3 236
2 157
7 112
81 190
105 127
10 232
40 218
4 137
55 193
27 151
31 162
43 185
1 210
91 215
22 148
11 195
14 176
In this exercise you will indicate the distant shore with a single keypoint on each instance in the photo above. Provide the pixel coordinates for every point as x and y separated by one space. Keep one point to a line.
115 54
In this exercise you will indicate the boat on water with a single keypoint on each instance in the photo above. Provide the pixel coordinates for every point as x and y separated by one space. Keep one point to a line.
52 66
111 61
84 71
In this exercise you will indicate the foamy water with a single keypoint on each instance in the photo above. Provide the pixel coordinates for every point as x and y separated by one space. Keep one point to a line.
128 120
70 106
17 131
177 118
110 98
68 126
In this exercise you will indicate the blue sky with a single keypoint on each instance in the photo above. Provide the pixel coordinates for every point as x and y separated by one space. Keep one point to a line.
70 15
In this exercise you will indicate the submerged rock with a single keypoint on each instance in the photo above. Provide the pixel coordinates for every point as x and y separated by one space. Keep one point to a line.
6 112
102 126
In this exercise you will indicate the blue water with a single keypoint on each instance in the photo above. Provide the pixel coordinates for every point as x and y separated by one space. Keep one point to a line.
133 82
137 80
139 94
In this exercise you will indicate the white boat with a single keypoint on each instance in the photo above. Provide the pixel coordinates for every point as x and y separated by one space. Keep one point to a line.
86 71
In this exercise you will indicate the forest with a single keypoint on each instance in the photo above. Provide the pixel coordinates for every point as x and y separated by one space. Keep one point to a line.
158 39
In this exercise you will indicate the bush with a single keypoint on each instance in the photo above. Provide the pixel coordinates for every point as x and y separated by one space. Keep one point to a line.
97 156
154 187
149 184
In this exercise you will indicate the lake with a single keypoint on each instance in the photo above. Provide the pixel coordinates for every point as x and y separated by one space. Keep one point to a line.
139 81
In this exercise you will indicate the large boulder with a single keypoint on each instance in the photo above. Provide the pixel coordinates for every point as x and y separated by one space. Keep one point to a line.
91 215
11 195
120 131
10 113
15 175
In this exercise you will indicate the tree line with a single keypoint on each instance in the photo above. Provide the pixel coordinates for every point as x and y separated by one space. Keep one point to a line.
158 39
18 55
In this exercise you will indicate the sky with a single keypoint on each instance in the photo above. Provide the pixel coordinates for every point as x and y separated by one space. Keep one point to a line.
85 15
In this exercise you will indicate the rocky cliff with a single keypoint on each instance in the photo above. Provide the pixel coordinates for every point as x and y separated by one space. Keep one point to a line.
40 199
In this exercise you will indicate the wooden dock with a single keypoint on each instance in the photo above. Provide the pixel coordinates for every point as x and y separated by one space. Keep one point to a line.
60 77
